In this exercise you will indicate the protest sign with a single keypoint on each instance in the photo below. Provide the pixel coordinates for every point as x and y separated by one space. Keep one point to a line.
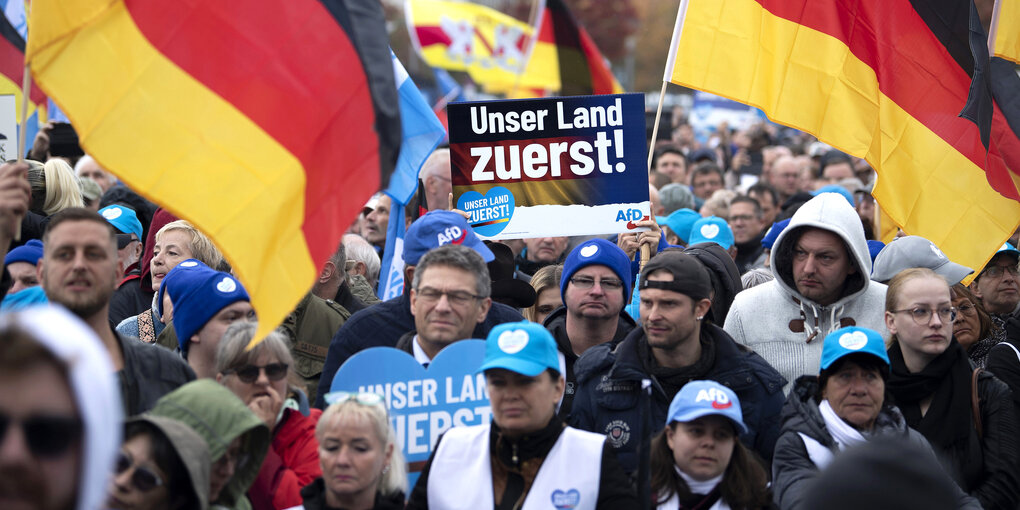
422 403
8 127
561 166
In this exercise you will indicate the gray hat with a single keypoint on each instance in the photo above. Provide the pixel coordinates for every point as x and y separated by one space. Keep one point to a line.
675 196
914 251
90 189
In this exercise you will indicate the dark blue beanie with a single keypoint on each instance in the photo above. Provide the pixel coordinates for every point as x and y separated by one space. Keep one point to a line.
597 252
29 252
198 293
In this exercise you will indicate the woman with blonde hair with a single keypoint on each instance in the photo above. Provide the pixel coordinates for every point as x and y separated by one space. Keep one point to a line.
546 282
54 187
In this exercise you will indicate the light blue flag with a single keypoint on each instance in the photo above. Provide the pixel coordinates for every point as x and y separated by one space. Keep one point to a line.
421 132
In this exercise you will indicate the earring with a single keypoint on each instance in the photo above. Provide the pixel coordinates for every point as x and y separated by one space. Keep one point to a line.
701 317
385 469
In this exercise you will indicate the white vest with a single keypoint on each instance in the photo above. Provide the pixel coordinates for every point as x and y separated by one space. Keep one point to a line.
461 474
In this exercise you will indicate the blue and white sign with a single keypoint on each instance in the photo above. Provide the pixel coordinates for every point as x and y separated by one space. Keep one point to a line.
422 403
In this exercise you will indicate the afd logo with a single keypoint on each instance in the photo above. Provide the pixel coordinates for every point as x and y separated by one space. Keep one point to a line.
452 234
630 216
719 399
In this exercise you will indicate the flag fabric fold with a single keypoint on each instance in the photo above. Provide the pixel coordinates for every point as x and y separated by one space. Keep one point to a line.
877 80
266 143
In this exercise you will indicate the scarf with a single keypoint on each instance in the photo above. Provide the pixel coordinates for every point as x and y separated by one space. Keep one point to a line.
844 434
703 494
978 352
947 377
672 379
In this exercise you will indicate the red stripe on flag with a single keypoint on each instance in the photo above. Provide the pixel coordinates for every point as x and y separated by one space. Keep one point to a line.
427 36
912 66
12 65
295 74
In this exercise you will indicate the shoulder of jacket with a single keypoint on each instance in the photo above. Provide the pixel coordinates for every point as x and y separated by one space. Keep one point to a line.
595 360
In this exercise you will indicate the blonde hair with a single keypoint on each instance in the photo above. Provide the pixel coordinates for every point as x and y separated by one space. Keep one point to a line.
202 248
895 288
545 278
62 189
393 479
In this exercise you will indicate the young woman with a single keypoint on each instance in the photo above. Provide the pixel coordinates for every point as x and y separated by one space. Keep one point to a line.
697 460
932 384
546 282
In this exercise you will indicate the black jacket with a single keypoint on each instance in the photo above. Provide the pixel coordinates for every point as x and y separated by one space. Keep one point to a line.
150 372
793 470
556 323
313 497
615 490
609 389
1004 360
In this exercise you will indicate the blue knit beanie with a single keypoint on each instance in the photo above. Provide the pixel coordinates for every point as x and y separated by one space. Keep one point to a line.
597 252
29 252
198 293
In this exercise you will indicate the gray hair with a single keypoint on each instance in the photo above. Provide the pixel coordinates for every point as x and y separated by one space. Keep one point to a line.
233 353
458 257
357 248
675 196
755 277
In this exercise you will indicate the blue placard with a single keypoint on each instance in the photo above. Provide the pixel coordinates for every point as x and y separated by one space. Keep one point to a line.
423 403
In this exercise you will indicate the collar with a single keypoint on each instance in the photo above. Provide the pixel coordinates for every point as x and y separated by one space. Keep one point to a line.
419 353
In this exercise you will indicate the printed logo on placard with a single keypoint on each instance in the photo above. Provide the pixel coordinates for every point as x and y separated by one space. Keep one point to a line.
226 285
618 432
854 341
491 213
718 398
513 341
566 500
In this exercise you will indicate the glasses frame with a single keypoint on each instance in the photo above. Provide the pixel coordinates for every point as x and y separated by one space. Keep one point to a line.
463 297
614 284
139 471
953 313
43 443
258 371
998 271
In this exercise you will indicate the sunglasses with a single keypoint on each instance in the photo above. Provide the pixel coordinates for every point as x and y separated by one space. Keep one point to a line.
363 398
46 436
142 478
250 373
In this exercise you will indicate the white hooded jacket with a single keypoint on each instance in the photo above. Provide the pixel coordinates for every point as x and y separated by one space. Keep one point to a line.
786 328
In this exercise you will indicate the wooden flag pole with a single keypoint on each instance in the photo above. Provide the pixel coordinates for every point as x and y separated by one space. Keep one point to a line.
26 88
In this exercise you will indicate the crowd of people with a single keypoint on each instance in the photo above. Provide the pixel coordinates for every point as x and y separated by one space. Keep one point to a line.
771 353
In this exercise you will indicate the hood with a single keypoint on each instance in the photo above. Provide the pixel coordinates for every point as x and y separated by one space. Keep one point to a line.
191 449
724 274
831 212
94 387
219 417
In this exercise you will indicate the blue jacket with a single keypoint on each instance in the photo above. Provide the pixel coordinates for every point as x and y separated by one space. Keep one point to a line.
381 325
609 383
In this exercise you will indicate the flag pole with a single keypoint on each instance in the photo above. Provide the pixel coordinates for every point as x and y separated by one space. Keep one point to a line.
26 88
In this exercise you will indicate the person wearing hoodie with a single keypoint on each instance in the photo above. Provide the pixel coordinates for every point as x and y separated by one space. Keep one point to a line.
237 439
822 268
162 465
676 344
845 405
595 286
60 410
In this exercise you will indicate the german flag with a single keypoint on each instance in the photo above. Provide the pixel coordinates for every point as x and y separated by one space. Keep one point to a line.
878 80
266 124
12 69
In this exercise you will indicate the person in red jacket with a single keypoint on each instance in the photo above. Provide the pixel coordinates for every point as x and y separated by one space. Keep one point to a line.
259 377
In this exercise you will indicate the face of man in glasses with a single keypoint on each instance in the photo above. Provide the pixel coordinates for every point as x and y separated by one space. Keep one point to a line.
586 299
446 307
30 479
997 286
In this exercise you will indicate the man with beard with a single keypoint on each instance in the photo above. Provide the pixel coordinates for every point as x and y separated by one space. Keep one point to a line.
80 270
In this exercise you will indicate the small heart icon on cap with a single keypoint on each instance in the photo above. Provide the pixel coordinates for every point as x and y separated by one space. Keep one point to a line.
854 341
112 213
710 231
513 341
589 250
190 263
226 285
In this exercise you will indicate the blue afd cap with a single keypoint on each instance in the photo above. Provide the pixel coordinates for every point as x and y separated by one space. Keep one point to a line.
523 347
437 228
706 398
680 222
712 229
853 340
773 233
123 219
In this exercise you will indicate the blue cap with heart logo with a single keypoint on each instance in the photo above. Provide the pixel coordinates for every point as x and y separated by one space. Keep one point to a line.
705 398
712 229
523 347
852 340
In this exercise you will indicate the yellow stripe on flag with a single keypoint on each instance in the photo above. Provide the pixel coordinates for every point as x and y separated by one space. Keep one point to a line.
811 81
193 152
1006 21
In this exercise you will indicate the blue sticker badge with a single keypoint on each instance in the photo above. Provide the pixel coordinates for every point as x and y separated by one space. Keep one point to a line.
566 500
490 214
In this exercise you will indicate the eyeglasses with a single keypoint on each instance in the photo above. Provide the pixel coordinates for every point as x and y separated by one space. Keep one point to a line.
235 455
455 297
46 436
966 308
996 271
250 373
922 316
363 398
584 282
142 478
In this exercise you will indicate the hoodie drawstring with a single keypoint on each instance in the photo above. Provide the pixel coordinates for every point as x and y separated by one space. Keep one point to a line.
813 330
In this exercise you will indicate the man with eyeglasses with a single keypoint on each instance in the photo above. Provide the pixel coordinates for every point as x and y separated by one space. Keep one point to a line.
449 297
595 286
998 287
675 345
746 222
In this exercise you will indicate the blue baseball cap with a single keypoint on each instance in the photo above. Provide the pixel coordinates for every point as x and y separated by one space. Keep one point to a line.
29 252
712 229
853 340
773 233
680 222
437 228
123 219
706 398
523 347
837 189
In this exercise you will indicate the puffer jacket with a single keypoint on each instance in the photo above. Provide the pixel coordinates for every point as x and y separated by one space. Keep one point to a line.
785 327
291 463
609 393
793 469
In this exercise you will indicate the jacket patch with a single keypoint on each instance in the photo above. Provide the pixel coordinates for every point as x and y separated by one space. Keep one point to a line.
618 432
311 349
607 385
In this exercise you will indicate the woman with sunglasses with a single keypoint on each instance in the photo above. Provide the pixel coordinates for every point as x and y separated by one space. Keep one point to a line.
162 465
527 457
932 384
362 467
259 377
